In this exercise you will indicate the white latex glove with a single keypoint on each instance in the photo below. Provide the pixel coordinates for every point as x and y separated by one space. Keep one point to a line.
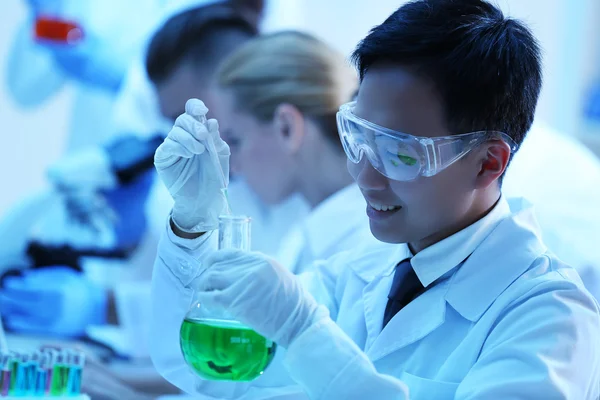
189 173
84 170
258 292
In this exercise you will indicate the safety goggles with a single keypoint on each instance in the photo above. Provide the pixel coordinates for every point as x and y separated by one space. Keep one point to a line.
404 157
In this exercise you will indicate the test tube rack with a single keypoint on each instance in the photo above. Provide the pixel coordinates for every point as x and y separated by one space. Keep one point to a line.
48 373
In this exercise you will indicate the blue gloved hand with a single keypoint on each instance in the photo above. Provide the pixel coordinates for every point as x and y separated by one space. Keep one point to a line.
55 301
91 62
592 106
128 204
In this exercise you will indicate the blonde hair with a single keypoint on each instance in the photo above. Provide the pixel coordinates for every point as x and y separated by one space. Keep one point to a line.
293 68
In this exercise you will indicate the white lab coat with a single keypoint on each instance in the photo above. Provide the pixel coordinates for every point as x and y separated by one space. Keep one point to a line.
337 224
505 320
560 176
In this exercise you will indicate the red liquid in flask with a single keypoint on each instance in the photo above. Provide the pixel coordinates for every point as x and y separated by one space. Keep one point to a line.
57 30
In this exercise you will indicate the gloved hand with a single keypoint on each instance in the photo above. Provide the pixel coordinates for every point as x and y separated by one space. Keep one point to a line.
52 301
84 170
258 292
189 173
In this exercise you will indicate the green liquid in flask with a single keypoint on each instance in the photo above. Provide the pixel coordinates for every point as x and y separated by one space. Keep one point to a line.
224 350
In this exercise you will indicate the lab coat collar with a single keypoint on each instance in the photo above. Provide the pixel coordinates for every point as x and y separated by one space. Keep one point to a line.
491 266
436 260
376 259
337 207
505 254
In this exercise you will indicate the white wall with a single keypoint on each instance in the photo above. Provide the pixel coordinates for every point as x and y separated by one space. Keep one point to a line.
30 139
568 31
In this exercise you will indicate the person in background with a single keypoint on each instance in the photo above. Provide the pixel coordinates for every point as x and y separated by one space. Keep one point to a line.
277 97
217 29
179 67
72 301
566 208
461 299
92 56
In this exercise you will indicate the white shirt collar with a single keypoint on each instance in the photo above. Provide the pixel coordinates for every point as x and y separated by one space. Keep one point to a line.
440 258
498 249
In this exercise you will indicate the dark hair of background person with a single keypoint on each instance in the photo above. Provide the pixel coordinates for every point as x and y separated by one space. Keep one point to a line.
201 35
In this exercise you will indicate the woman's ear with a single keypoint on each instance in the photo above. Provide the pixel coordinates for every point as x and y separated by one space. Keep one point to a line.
288 122
494 160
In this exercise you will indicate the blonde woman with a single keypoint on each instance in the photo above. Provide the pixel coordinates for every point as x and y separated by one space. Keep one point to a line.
276 100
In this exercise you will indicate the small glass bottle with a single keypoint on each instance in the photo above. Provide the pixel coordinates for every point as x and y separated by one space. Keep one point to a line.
57 30
215 346
5 374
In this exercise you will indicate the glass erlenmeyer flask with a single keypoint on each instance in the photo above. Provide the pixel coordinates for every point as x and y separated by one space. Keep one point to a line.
215 346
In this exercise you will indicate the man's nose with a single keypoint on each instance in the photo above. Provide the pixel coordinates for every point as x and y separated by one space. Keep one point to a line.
369 178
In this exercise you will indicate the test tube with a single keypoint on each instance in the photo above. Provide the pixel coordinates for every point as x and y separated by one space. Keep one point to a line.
42 372
16 374
51 356
77 362
27 369
4 374
60 374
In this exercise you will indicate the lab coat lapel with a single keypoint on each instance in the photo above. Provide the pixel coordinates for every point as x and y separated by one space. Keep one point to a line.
412 323
378 275
375 299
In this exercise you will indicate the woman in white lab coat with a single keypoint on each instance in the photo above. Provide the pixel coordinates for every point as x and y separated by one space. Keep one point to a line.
276 99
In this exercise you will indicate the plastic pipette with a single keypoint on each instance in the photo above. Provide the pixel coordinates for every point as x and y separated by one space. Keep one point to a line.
212 151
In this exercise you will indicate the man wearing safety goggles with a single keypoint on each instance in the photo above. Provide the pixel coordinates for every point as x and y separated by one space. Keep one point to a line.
460 299
424 185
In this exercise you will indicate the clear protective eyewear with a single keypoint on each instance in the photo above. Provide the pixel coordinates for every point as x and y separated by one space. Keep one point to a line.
403 157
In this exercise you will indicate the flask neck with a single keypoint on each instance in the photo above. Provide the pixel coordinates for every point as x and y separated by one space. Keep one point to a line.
234 233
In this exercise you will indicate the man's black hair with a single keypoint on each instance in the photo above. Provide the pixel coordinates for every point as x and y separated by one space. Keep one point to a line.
486 68
197 35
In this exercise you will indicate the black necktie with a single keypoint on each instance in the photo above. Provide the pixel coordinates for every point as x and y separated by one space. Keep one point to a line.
405 288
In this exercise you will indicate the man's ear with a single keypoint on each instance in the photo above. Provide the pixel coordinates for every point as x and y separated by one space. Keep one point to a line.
288 123
494 159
